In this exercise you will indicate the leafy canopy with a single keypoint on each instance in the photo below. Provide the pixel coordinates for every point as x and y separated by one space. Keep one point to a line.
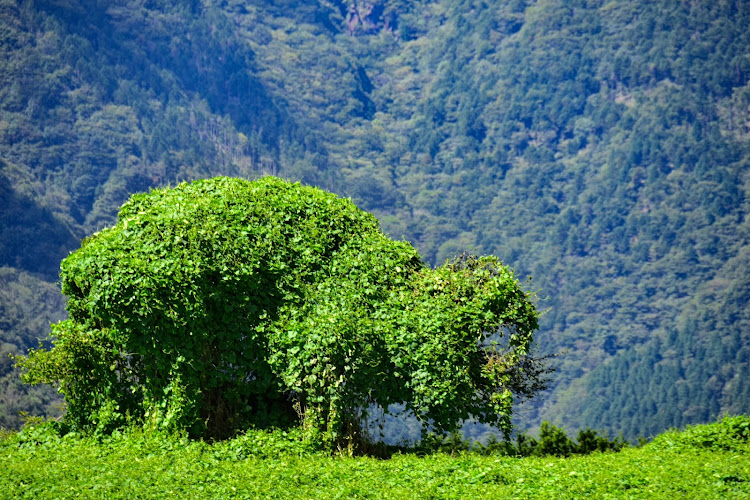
224 303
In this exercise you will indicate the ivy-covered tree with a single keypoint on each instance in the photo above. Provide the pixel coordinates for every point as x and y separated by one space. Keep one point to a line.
225 303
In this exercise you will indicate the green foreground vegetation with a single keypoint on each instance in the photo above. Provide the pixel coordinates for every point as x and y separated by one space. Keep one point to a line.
705 461
223 304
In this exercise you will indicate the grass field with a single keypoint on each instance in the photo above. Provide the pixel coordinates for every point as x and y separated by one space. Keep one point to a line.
703 462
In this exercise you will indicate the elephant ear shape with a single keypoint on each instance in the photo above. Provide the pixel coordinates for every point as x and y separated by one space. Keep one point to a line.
464 317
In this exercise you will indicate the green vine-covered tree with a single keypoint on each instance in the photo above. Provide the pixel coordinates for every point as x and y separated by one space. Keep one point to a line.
224 303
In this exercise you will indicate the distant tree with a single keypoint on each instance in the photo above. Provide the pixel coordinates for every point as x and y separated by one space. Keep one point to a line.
224 303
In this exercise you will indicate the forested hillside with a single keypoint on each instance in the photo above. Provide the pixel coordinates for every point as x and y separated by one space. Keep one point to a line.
601 147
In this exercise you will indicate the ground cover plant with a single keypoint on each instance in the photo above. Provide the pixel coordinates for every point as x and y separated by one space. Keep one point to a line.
223 304
702 462
600 147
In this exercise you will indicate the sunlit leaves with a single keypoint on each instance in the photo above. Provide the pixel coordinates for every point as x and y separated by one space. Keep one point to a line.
225 303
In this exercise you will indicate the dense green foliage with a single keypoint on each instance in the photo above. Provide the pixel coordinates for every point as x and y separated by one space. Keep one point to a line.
602 147
224 303
38 463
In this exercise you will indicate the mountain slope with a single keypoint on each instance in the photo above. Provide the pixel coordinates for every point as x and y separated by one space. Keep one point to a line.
600 147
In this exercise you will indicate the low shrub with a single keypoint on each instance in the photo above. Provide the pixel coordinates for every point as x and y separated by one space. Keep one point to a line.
731 433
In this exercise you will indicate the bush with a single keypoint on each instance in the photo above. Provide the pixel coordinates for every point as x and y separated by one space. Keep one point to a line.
731 433
224 304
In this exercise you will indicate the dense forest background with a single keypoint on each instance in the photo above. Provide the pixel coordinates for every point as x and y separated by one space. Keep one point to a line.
601 147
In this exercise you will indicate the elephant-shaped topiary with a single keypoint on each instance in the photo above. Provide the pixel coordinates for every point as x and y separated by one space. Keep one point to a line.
224 303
